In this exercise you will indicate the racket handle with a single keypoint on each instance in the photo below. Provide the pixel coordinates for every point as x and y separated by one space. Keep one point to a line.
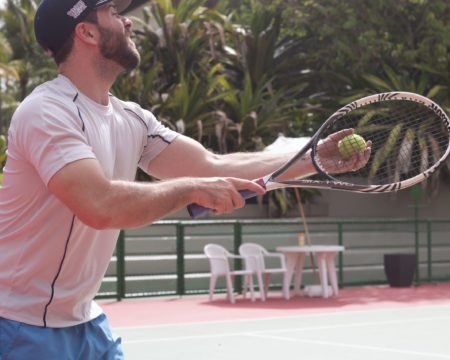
197 210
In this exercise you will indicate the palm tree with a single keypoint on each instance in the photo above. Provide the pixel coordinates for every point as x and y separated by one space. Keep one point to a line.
266 69
179 78
7 72
27 59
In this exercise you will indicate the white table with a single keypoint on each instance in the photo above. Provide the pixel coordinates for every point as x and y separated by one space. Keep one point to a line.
295 259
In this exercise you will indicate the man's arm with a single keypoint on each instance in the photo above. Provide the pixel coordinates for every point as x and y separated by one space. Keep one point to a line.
101 203
189 158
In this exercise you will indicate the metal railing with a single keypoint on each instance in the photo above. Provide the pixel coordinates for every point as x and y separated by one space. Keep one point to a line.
417 227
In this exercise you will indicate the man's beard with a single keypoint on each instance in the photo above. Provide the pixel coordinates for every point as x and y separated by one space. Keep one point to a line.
114 46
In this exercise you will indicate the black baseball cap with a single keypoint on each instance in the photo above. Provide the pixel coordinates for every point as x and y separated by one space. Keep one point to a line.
56 19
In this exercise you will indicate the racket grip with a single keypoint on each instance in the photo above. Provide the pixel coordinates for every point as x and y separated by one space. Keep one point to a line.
195 211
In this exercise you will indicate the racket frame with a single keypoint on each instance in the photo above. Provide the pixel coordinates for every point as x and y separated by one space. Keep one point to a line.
333 183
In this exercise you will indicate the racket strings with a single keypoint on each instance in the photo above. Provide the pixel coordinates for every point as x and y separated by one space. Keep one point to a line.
407 139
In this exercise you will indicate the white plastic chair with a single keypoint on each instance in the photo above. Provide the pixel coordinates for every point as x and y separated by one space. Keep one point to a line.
219 258
255 255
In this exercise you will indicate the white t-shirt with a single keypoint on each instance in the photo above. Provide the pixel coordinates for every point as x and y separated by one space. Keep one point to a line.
52 264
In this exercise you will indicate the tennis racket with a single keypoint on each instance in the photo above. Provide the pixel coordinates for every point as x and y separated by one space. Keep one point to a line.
409 137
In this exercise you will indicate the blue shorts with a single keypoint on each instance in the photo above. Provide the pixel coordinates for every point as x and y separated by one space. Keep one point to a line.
93 340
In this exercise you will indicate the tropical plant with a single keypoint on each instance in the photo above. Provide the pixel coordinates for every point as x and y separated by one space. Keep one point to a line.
2 155
23 64
29 61
2 148
7 72
224 83
360 35
179 78
266 68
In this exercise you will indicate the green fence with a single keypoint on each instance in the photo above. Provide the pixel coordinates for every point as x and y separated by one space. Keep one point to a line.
365 241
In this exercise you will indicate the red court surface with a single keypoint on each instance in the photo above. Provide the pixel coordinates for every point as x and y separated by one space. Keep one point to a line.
194 309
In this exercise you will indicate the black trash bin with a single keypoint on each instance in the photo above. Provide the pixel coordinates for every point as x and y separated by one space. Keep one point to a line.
400 269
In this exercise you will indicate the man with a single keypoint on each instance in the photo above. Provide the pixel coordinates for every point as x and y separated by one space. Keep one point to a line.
68 184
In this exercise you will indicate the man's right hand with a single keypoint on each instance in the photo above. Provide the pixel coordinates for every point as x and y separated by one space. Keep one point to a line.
222 194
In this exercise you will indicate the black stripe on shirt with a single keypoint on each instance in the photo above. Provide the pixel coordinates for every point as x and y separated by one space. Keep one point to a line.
159 136
142 120
44 318
145 124
79 112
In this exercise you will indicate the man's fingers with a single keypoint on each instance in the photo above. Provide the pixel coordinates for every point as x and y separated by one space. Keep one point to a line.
359 159
242 184
368 151
341 134
222 194
238 200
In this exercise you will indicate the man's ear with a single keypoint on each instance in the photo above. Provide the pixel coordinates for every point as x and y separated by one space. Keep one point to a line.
87 33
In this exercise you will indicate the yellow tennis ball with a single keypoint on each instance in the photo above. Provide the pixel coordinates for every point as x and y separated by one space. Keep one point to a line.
351 143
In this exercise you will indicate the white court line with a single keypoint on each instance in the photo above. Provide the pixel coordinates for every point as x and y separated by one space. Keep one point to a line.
300 316
275 331
346 345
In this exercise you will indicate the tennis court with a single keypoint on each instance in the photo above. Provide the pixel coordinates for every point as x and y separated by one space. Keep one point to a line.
363 323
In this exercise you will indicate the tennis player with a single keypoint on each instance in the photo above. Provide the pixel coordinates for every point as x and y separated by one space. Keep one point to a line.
68 186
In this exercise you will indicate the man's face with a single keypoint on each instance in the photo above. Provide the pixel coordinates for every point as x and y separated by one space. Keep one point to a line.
115 42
